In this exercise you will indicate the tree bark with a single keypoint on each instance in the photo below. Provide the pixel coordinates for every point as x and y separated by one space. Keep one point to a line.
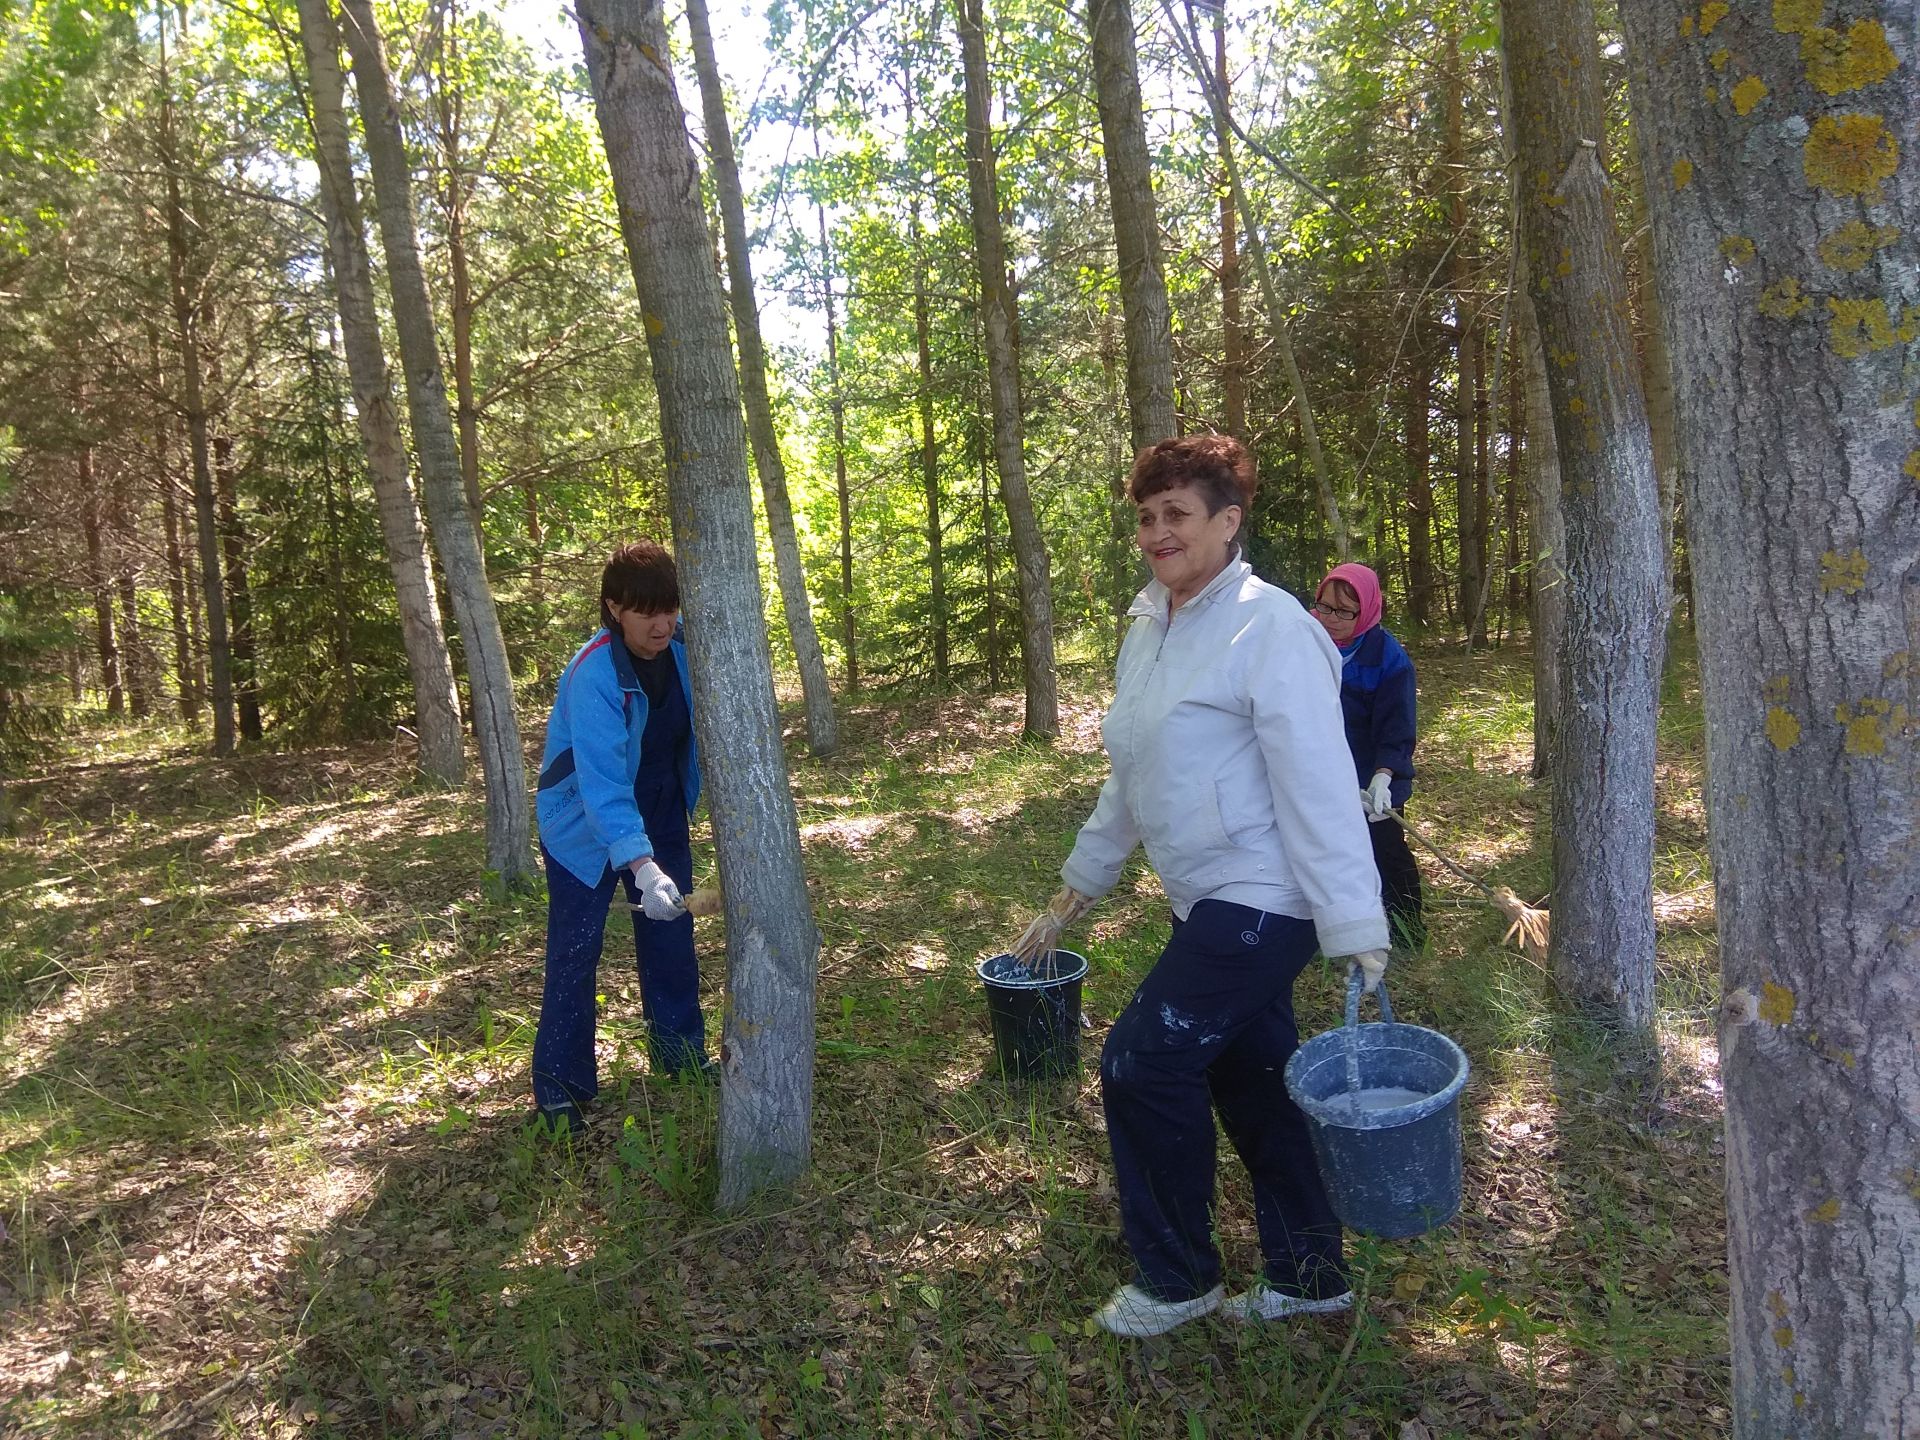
1420 489
460 301
136 658
766 1094
837 402
823 730
1002 326
1783 223
436 696
1233 335
490 679
1547 553
929 446
1136 229
100 588
186 670
233 542
1603 932
185 279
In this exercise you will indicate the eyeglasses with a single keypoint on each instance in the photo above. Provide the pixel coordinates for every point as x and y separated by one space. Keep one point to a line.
1334 612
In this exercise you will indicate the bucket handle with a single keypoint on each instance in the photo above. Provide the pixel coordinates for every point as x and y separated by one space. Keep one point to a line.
1355 980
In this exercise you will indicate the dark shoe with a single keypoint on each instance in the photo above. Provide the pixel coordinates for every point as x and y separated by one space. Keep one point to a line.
561 1121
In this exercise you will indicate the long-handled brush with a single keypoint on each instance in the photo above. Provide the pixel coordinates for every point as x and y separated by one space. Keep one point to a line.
1527 924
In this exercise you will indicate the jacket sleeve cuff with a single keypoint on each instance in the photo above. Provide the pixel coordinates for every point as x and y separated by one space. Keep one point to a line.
1089 882
629 848
1344 933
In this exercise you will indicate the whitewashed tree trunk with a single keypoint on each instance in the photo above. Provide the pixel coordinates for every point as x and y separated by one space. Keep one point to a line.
436 697
1136 227
766 1095
1784 214
1603 761
823 730
1002 326
489 677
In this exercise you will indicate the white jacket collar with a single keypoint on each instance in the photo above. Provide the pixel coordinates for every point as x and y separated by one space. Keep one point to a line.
1153 600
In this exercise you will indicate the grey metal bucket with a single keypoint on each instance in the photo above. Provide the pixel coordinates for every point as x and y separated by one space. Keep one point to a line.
1391 1162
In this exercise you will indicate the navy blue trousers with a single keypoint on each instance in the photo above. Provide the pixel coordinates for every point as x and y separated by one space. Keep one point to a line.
563 1062
1211 1028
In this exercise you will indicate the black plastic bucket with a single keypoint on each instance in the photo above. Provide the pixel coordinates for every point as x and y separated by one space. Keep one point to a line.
1035 1013
1382 1104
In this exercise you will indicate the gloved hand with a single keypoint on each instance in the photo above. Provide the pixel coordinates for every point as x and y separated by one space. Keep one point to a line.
1379 798
1373 966
659 896
1039 937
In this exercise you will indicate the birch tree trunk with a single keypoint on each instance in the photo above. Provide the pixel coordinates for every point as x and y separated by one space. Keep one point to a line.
766 1095
843 494
1136 229
1002 326
823 730
436 697
490 679
1784 214
1603 933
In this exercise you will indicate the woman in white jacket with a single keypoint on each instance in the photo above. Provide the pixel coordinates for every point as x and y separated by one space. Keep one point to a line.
1231 767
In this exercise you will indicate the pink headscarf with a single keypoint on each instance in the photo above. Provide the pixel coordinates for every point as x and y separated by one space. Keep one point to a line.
1366 585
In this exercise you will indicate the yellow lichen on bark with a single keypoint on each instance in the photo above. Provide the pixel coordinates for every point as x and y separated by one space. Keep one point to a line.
1682 173
1736 249
1839 63
1718 59
1912 467
1777 1004
1711 14
1846 574
1776 1305
1851 246
1868 722
1782 728
1790 17
1859 327
1747 94
1850 154
1826 1212
1686 25
1782 300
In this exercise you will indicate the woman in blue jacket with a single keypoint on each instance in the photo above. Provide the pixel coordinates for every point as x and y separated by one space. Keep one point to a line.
618 781
1376 698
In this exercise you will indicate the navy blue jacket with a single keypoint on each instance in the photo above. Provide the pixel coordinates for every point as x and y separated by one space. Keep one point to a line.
1376 700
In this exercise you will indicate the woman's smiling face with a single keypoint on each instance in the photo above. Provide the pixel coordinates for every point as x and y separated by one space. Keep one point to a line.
1185 546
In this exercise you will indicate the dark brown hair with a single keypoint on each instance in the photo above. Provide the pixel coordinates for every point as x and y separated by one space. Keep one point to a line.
1218 466
641 577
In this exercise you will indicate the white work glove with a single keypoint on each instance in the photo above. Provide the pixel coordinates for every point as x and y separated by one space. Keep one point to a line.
1038 938
659 896
1379 798
1372 965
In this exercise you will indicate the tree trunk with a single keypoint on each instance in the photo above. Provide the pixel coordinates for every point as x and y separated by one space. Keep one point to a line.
136 661
436 696
490 680
1466 482
1277 327
1420 490
233 546
460 302
185 667
823 730
1603 933
929 443
1002 327
766 1095
1783 252
1136 230
1515 597
849 626
986 551
185 279
100 587
1233 335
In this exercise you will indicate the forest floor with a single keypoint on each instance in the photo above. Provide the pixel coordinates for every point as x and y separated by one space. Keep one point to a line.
265 1171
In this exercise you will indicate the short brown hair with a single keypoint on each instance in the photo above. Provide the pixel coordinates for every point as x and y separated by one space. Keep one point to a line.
641 577
1218 466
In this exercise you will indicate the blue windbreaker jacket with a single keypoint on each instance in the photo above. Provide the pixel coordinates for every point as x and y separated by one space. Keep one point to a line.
1376 701
588 818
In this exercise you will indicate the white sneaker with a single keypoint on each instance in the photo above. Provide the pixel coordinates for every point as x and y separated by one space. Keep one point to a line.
1134 1313
1263 1302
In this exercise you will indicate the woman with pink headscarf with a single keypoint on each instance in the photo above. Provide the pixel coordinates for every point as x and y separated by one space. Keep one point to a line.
1377 700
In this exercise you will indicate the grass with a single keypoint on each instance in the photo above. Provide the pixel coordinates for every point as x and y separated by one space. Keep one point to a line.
264 1172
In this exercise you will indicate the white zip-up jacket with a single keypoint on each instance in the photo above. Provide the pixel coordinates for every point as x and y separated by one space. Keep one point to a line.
1231 767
